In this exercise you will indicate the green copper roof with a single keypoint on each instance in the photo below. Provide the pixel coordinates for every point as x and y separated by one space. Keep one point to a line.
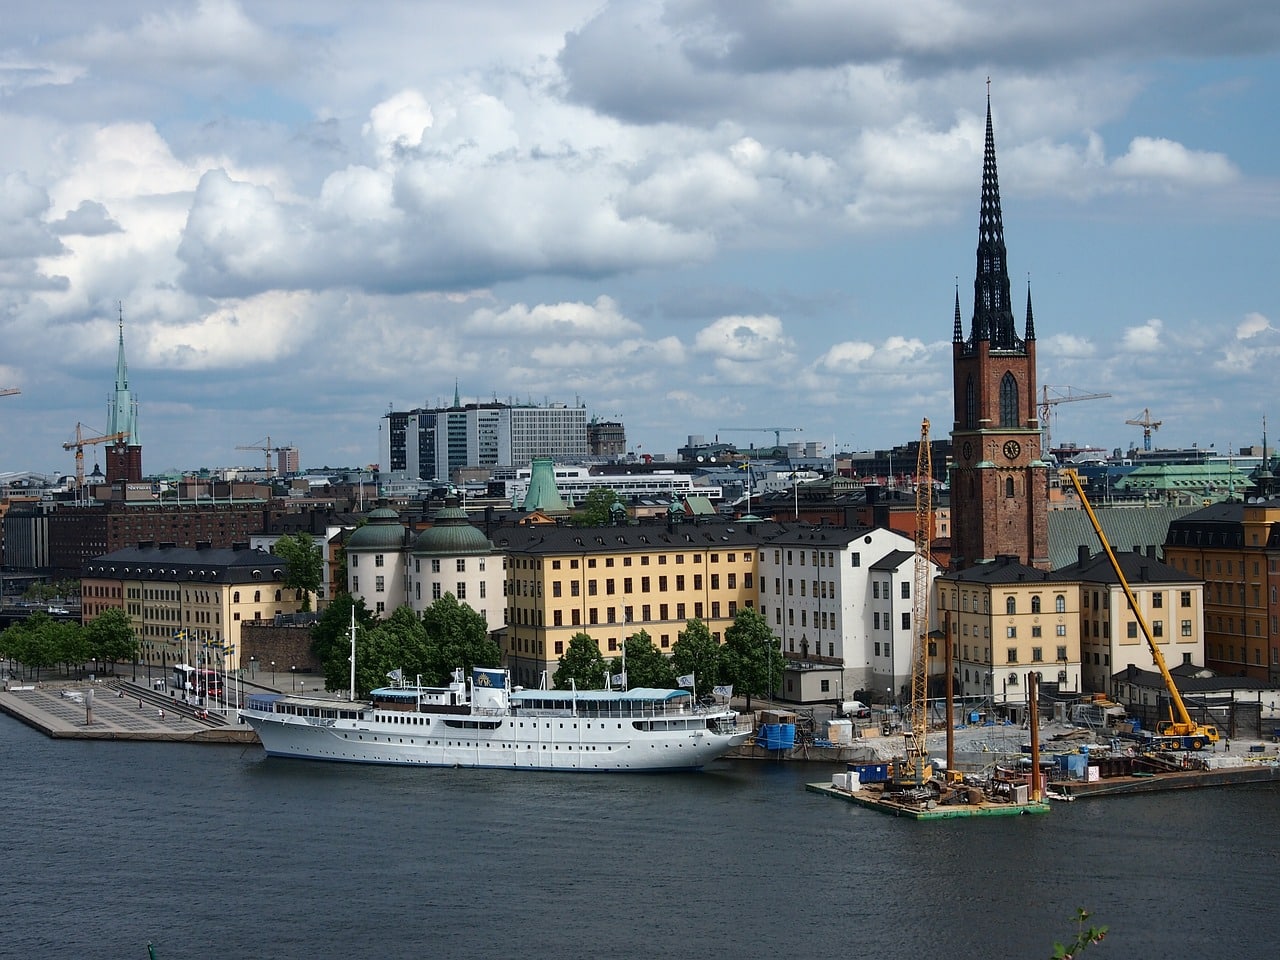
452 535
543 494
383 532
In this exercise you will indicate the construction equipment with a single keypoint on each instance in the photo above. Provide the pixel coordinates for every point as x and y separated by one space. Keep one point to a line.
267 449
1147 425
1047 403
776 431
914 771
1179 732
80 442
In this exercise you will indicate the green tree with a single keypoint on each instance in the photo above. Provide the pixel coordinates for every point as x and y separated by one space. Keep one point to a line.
331 639
646 665
110 637
596 509
581 663
69 643
304 564
749 660
696 651
457 636
398 643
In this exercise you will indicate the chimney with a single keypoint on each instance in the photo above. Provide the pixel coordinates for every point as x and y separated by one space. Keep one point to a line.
1082 554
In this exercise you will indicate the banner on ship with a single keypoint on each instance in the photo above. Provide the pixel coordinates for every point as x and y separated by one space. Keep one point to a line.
488 678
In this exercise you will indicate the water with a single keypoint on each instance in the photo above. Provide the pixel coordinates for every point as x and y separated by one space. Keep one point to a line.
220 852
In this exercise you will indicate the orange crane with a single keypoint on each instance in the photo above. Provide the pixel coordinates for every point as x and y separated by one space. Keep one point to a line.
80 442
1047 403
1147 425
267 450
915 771
1179 732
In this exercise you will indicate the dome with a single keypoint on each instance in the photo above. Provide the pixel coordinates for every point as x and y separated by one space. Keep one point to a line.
451 535
383 532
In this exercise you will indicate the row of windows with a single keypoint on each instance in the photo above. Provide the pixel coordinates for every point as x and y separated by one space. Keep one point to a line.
460 563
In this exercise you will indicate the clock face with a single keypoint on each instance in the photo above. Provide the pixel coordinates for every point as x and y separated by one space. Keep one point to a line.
967 450
1012 449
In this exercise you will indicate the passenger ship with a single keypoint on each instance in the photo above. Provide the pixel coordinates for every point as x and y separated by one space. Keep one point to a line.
485 723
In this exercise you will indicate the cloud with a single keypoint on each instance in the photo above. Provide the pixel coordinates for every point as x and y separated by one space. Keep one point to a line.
1144 338
894 354
90 219
562 321
1068 346
1154 158
1252 325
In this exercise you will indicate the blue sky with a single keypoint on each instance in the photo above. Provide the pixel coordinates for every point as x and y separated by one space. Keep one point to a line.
687 215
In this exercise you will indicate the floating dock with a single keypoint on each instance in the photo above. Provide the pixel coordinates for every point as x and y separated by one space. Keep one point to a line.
874 799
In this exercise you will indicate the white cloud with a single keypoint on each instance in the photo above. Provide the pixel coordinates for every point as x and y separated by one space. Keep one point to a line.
600 320
1144 338
1158 159
1252 325
1068 346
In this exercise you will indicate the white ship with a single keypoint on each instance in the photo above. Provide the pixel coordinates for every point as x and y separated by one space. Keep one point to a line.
485 723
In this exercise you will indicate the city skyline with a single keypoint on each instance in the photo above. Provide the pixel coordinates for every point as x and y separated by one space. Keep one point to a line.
685 216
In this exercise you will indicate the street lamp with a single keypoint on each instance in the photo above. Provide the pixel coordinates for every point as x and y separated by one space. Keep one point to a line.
253 667
293 672
273 673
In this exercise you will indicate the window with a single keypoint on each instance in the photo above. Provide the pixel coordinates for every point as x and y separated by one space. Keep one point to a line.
906 621
1035 630
1186 628
435 590
559 643
906 590
1062 653
876 625
875 589
377 560
355 559
1037 655
1008 401
857 559
1157 600
1011 632
680 581
715 581
462 565
1060 604
1131 631
1157 628
1013 655
379 584
1186 598
1035 604
555 588
1010 605
1062 632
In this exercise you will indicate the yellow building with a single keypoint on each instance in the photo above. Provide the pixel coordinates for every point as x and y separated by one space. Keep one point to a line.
179 600
1006 619
612 582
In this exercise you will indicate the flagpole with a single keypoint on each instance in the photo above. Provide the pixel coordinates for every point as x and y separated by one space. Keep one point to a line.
353 651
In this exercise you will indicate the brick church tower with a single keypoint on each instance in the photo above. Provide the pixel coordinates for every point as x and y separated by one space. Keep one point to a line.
999 484
124 457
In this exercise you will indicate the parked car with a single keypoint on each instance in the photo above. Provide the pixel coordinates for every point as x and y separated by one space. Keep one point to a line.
855 709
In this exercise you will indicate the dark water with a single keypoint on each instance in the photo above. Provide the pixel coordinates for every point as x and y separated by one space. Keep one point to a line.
219 852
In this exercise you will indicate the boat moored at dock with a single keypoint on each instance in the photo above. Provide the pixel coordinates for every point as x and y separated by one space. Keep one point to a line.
482 722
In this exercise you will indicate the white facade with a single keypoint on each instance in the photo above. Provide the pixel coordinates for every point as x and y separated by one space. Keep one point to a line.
476 581
839 596
379 578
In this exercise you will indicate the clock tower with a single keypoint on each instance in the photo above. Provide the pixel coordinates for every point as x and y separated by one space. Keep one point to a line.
999 483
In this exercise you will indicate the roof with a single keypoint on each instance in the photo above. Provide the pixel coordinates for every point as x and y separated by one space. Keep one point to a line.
184 564
452 534
384 531
552 540
1127 528
1190 679
1137 569
646 694
893 560
1002 570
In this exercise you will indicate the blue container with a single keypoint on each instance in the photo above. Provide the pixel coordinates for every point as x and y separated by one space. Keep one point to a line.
776 736
871 772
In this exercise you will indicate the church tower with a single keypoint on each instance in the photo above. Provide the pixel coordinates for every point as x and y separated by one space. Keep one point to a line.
999 484
124 457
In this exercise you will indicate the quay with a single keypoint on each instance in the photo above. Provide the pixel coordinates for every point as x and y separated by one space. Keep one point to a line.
120 710
873 800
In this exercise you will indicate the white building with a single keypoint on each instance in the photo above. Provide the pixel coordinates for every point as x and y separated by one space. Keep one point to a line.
840 603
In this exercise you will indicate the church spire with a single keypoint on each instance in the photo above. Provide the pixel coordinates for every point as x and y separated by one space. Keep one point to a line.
957 331
123 408
1031 322
992 311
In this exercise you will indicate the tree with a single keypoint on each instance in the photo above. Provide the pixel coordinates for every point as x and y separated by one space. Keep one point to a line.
457 636
110 637
304 564
596 509
582 663
331 639
696 651
646 666
748 659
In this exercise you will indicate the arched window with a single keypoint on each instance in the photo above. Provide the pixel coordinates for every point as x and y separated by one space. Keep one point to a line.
257 596
1010 606
1008 401
1035 604
970 404
278 595
1008 486
1060 604
235 597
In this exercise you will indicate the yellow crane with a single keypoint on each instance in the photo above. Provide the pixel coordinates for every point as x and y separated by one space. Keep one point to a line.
80 442
1047 404
1179 732
267 449
914 771
1147 425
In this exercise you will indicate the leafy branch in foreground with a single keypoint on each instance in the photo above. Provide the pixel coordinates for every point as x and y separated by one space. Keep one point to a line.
1085 937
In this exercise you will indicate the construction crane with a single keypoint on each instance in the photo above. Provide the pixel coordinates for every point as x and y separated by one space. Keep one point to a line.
1047 403
914 771
80 442
267 449
776 431
1179 732
1147 425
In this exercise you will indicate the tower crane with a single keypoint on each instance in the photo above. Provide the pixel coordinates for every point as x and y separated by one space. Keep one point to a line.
1047 403
776 431
267 450
80 442
1147 425
914 771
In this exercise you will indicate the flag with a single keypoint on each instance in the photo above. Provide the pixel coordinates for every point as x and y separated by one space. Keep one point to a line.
685 681
725 691
394 675
619 679
487 677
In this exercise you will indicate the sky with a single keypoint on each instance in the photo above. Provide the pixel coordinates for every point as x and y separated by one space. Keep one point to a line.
700 217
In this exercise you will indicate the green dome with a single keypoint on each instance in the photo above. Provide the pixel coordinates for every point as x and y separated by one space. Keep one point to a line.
452 535
383 532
